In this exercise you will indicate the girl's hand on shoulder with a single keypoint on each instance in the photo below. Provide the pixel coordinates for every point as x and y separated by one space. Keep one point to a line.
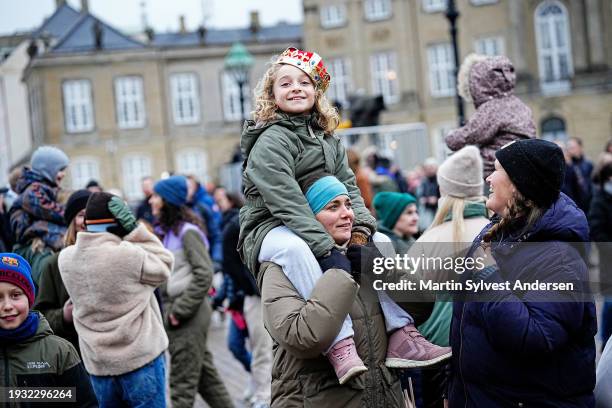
173 320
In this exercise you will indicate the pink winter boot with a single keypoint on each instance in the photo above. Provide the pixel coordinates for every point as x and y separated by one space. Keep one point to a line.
345 360
408 349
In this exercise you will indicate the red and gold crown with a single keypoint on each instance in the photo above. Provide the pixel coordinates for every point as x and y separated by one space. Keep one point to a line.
309 62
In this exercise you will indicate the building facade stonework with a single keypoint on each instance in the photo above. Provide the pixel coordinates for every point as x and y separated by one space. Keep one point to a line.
561 49
125 108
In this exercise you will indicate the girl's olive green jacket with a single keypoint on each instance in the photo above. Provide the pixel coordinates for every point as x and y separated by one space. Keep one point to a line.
281 155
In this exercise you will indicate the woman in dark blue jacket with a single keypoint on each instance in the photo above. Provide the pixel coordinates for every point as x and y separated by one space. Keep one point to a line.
527 348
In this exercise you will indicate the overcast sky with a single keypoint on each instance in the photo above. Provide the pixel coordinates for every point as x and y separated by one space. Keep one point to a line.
163 15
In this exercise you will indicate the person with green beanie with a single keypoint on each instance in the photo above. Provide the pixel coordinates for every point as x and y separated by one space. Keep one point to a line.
398 218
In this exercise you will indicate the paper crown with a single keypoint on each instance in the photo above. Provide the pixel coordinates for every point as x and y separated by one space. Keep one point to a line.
309 62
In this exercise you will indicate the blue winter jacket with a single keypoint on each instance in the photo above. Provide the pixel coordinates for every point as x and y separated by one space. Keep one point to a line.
516 350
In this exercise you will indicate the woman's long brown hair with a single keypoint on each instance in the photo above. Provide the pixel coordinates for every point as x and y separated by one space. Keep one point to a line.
172 217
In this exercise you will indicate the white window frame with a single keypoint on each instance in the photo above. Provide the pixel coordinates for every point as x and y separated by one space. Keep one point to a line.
490 45
441 70
553 30
133 174
184 90
482 2
434 6
333 15
341 85
192 162
82 170
376 10
129 102
232 110
78 106
384 73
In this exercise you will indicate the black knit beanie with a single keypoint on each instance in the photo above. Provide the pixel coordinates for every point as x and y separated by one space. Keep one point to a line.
97 213
76 202
536 167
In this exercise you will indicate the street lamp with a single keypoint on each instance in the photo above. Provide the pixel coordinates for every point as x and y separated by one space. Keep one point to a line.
238 63
452 15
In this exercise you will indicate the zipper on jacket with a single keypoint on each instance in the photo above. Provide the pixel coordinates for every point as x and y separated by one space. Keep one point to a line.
371 358
311 132
461 353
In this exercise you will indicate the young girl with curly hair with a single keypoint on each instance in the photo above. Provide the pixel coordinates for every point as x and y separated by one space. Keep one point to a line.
290 139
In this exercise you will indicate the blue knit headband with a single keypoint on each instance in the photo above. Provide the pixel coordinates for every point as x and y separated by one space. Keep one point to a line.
323 191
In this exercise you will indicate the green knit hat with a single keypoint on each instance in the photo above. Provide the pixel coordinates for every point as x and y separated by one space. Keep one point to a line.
390 205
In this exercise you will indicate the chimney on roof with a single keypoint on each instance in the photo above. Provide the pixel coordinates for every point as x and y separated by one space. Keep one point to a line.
254 26
98 33
201 34
84 6
59 3
182 28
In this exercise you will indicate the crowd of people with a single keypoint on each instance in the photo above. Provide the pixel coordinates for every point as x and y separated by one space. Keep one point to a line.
107 298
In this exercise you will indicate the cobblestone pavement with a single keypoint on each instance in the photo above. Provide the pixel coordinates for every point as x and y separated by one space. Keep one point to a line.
229 368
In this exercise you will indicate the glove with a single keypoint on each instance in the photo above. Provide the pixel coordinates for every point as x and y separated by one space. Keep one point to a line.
360 236
335 260
123 214
362 257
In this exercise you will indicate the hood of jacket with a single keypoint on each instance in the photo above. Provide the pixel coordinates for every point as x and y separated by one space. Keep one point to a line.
484 78
28 177
252 130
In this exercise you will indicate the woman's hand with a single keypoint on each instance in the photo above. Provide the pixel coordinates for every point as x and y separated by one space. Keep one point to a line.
335 260
362 259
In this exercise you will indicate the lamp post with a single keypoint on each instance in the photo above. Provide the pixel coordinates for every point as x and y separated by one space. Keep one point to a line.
238 63
452 15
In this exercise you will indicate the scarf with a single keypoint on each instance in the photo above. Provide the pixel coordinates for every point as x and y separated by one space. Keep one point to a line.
26 330
471 210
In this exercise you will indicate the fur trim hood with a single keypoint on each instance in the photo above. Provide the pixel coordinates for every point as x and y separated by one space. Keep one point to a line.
482 78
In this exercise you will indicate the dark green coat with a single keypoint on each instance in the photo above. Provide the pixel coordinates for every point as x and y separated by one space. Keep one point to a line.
281 155
45 360
50 300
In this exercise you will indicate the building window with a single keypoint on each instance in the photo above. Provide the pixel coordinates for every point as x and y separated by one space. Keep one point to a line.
482 2
78 106
36 118
333 15
83 170
185 99
340 86
375 10
135 168
490 46
192 162
441 70
440 132
129 98
552 39
553 129
432 6
231 98
383 67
